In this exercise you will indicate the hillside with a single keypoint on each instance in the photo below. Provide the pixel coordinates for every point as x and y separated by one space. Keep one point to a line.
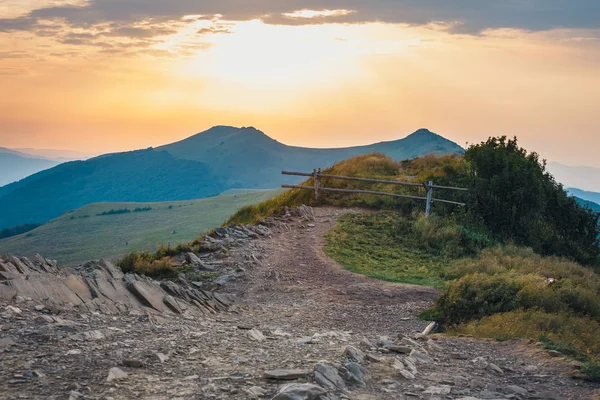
83 235
585 195
588 204
203 165
15 166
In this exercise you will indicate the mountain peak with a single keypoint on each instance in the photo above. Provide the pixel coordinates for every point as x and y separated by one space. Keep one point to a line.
422 132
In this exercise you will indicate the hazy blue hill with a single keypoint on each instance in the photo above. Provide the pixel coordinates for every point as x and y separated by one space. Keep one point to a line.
142 176
237 154
588 204
586 178
582 194
15 166
201 166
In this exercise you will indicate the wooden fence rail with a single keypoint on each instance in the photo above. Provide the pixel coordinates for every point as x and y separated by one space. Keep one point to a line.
318 187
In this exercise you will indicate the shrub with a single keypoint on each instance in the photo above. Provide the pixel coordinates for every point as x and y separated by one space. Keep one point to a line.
526 280
478 295
517 200
147 264
114 212
18 230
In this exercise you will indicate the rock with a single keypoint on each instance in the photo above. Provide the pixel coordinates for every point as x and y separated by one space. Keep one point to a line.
400 349
75 395
459 356
286 374
161 357
398 365
172 304
555 353
365 344
407 374
373 358
145 294
38 373
327 376
256 392
441 390
354 374
14 310
116 374
296 391
6 342
307 340
514 389
256 335
19 299
43 320
73 352
133 363
420 357
495 368
39 307
355 355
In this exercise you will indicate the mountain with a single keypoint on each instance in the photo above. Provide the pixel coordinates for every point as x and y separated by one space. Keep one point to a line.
588 204
56 154
585 195
586 178
15 165
203 165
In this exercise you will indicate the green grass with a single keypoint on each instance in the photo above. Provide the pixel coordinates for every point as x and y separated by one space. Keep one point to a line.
82 235
378 245
487 290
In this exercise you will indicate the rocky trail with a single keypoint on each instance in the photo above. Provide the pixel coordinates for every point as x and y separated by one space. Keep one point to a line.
265 315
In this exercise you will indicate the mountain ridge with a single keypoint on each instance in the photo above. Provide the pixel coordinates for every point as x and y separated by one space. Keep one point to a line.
199 166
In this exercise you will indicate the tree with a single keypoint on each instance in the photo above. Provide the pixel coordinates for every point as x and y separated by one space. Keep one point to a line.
517 200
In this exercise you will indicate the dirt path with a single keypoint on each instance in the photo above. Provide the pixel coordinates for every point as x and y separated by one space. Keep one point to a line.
295 274
300 308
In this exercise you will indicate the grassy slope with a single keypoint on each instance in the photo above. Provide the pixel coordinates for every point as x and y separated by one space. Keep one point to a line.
375 245
74 237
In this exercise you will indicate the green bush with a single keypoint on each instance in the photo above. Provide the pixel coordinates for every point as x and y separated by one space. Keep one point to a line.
509 278
478 295
517 200
147 264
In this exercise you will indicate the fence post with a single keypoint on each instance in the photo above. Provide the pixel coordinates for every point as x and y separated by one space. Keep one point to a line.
317 181
429 198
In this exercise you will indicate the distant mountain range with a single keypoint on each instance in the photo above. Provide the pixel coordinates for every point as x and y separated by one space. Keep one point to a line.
585 195
588 204
585 178
203 165
17 164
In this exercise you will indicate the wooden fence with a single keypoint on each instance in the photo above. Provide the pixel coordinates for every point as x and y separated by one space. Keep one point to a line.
318 187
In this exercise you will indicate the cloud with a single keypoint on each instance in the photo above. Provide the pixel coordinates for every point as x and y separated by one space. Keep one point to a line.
472 16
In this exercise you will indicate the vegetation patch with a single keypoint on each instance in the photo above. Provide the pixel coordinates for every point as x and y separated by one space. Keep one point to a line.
114 212
386 245
17 230
148 264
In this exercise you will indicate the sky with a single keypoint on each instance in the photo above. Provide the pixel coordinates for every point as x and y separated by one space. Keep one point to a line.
109 75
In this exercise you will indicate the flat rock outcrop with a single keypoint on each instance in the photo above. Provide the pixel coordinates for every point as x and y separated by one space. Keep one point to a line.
99 286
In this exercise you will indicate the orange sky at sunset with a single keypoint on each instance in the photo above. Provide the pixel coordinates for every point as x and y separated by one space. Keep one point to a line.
316 78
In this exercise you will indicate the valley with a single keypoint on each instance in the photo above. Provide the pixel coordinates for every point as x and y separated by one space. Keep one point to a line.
85 234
